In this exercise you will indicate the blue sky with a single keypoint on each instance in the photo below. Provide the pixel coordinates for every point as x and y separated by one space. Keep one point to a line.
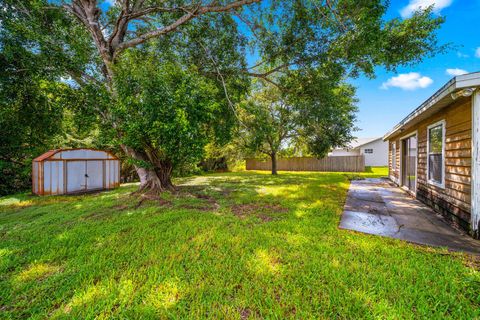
388 98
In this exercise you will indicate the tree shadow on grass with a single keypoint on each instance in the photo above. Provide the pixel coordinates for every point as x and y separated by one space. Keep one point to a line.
154 261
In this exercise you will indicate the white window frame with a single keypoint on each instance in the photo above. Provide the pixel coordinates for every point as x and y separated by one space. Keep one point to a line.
443 123
365 151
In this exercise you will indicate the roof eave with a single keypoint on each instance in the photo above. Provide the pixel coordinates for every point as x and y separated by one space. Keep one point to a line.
444 95
361 145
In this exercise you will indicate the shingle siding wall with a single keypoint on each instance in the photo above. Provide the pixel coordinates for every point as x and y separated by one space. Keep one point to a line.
454 202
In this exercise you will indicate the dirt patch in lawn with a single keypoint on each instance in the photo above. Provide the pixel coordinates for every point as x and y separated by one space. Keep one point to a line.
150 197
265 218
121 207
208 203
472 261
198 207
262 211
245 313
199 191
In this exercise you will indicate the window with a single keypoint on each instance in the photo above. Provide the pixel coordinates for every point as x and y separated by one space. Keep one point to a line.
436 150
394 156
368 150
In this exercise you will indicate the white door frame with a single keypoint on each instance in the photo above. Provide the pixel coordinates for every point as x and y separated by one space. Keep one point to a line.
411 134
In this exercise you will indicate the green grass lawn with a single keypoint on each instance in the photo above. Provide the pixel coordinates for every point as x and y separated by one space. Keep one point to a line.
235 246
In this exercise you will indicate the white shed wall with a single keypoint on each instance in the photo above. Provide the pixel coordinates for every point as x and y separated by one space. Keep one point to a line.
379 157
112 178
75 170
53 177
95 175
35 177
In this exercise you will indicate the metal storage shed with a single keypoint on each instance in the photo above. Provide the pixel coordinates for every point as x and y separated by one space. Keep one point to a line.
64 171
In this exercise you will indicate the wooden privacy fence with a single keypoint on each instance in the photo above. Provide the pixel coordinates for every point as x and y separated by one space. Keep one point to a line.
328 164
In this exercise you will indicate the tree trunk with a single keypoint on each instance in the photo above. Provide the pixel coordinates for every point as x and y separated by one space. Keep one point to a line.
155 175
273 156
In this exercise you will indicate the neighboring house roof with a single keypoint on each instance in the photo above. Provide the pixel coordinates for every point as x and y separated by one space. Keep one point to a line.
453 89
357 143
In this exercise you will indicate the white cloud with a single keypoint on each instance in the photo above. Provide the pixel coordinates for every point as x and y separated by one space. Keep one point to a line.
477 52
408 81
415 5
462 55
455 72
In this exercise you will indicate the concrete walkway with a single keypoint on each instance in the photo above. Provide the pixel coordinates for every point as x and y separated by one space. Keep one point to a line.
376 206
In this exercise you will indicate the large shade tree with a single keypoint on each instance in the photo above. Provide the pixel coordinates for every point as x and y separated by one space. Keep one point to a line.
294 39
168 111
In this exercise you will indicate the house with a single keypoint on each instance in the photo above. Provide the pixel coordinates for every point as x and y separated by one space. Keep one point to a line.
434 153
375 151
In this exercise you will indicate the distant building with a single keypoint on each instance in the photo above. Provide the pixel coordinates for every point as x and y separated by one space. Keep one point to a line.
375 151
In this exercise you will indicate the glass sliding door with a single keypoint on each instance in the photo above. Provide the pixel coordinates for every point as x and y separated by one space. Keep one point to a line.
409 163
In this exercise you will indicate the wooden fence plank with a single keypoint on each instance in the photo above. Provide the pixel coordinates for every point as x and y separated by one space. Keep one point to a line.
328 164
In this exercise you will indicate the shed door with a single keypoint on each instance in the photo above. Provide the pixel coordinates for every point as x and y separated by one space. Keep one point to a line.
76 180
94 174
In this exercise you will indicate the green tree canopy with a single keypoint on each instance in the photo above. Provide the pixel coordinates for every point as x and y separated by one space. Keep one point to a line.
298 43
168 110
319 114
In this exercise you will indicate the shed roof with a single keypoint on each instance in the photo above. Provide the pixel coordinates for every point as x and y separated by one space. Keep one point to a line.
439 100
51 153
46 155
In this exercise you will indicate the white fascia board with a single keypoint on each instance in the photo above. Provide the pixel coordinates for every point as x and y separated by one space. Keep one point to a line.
444 93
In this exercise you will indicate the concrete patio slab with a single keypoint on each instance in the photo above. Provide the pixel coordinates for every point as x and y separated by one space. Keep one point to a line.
377 206
369 223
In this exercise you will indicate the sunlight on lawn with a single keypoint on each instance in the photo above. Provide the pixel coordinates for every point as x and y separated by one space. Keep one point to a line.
224 246
86 298
15 202
165 295
296 239
265 262
37 271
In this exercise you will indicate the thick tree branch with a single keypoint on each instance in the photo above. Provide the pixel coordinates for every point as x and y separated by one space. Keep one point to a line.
82 78
271 71
220 76
263 77
89 14
200 10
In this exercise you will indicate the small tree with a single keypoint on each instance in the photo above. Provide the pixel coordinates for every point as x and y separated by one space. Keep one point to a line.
268 122
326 107
321 115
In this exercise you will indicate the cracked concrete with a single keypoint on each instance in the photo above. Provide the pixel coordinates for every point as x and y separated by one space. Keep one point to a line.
376 206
